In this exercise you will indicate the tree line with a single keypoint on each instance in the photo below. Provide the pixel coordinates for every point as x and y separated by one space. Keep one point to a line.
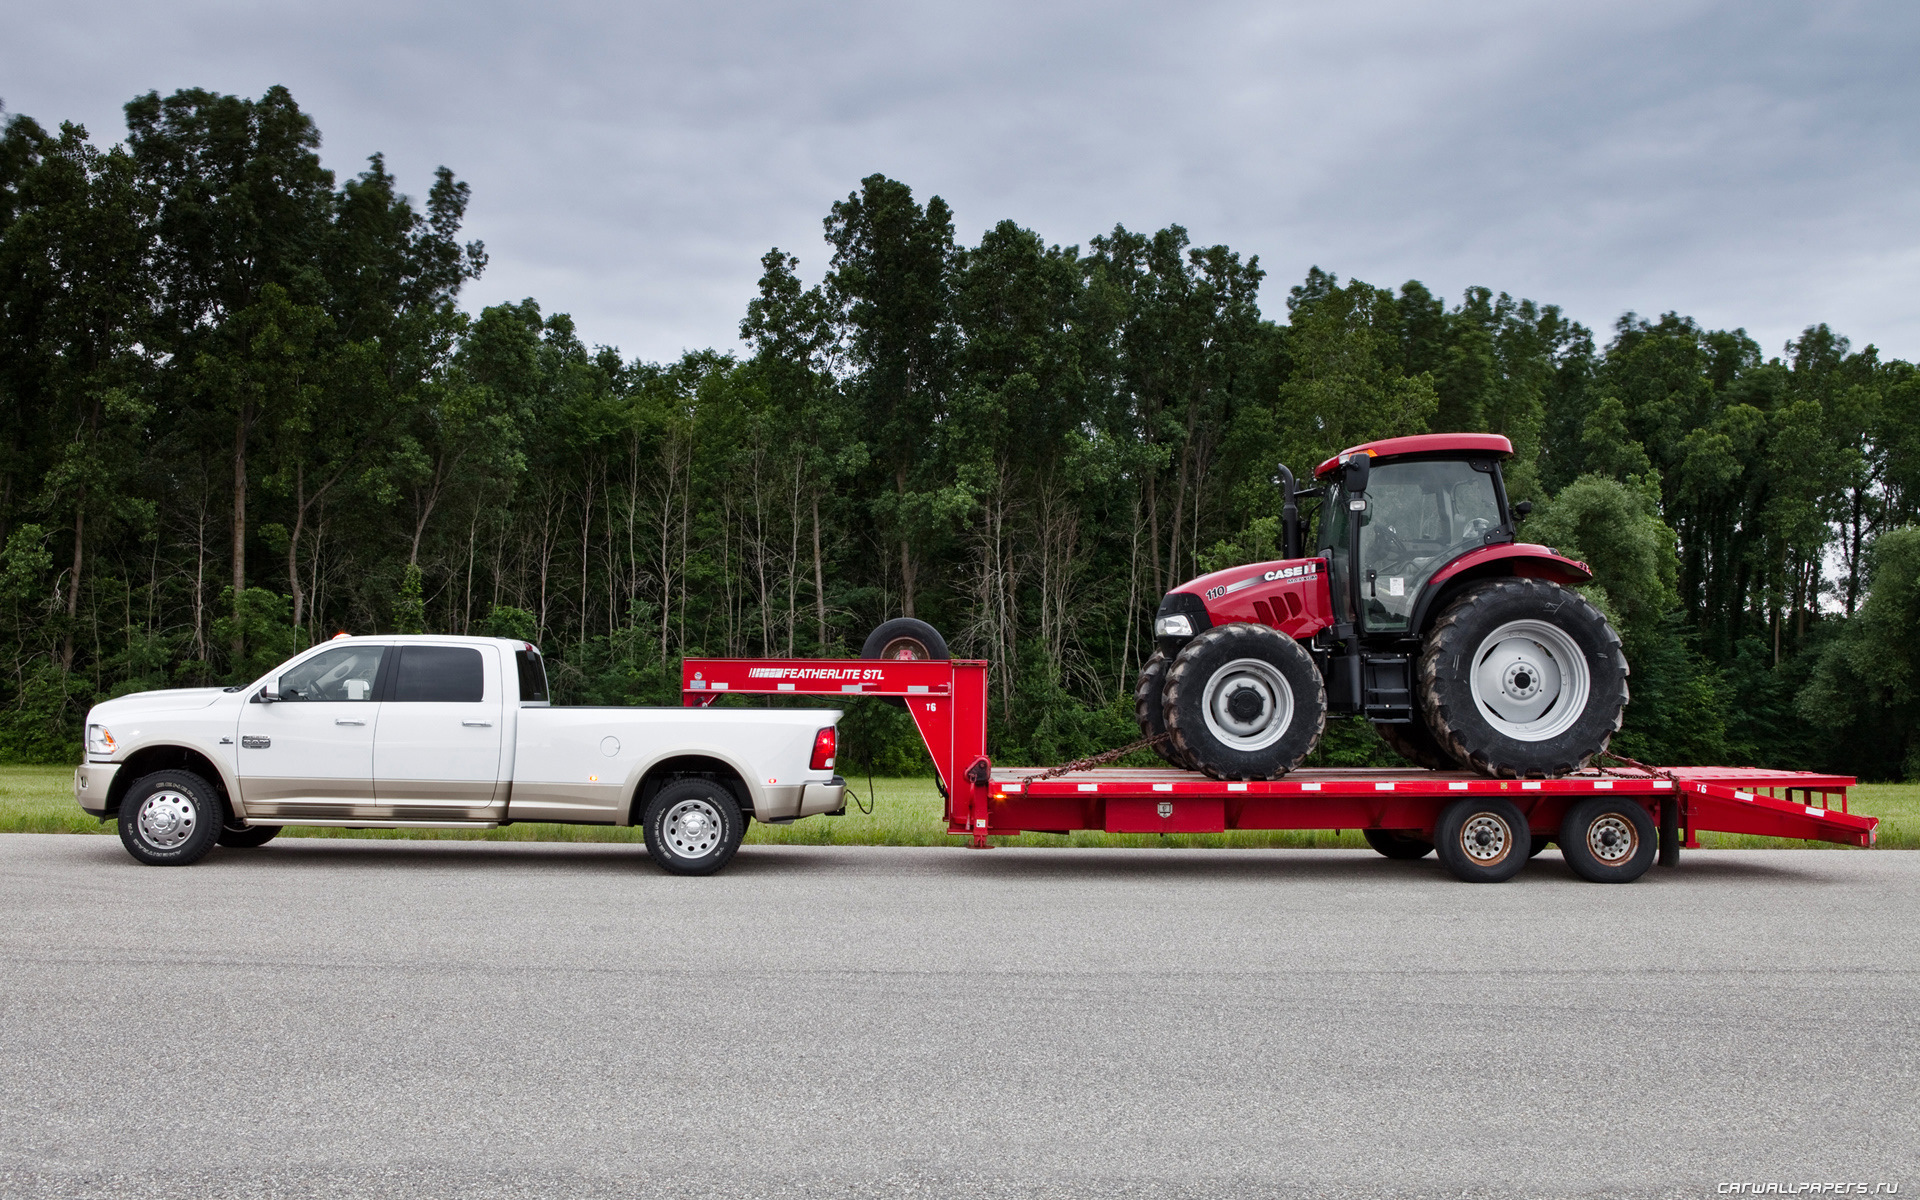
242 411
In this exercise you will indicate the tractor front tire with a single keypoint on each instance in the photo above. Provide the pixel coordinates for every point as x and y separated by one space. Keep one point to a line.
1413 741
1244 702
1149 713
1522 679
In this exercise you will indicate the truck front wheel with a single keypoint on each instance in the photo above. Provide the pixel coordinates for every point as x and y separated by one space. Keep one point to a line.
693 827
171 818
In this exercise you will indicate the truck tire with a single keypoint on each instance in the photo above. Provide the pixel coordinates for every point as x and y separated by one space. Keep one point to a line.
1606 840
1413 741
1244 702
238 835
1397 843
1148 712
171 818
1483 841
1522 678
693 827
904 638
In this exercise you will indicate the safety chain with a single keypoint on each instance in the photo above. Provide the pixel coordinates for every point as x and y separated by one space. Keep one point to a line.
1656 772
1098 760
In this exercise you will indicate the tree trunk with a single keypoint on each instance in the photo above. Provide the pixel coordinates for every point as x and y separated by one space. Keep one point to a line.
240 424
73 582
819 579
293 543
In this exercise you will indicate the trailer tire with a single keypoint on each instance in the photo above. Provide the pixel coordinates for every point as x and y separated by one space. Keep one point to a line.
1244 702
1398 843
693 827
1150 714
1413 741
904 638
1483 840
238 835
171 818
1606 840
1522 678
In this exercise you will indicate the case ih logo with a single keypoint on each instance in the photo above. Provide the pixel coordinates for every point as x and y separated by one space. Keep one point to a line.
1289 572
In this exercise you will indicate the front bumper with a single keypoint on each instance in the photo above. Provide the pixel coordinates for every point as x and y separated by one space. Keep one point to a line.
92 783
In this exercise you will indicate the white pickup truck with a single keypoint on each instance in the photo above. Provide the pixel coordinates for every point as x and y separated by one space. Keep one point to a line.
403 732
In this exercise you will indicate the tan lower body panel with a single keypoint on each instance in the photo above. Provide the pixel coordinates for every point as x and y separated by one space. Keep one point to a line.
345 800
589 803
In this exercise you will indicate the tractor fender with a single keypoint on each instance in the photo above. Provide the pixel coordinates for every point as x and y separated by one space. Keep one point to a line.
1491 562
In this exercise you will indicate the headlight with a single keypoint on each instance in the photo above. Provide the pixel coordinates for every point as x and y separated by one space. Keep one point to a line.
100 742
1174 626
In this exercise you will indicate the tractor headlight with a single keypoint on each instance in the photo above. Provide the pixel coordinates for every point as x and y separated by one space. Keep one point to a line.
1177 625
100 742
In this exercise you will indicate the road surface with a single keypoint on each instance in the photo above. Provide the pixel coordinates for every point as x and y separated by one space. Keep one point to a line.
371 1018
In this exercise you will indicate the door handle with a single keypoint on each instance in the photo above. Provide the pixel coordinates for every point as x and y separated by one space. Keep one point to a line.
346 721
478 724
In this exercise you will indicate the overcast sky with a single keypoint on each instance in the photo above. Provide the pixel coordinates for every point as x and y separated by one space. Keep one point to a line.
1748 163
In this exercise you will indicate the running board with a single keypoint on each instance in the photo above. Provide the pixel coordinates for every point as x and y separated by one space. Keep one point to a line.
330 823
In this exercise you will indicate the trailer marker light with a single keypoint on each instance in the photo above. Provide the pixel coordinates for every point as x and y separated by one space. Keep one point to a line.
1162 787
1456 787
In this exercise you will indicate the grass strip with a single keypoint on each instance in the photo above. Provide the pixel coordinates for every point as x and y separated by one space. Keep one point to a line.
906 812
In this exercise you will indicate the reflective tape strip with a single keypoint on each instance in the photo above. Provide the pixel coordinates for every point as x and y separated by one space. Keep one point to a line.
1743 795
1011 787
1382 787
785 687
1530 787
1816 812
1456 787
1236 787
1603 785
1162 787
851 687
916 687
1309 787
1089 787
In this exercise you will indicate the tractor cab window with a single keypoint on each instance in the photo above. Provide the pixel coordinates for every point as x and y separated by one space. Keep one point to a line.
1419 517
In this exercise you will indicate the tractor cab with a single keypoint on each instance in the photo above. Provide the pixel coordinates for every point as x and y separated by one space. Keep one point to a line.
1419 612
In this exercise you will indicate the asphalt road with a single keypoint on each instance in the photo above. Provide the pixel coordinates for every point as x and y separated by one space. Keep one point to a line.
370 1018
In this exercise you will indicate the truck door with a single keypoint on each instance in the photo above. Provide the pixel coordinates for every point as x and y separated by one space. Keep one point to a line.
436 755
310 753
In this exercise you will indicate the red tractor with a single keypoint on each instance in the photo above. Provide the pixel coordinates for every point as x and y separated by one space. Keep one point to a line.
1464 647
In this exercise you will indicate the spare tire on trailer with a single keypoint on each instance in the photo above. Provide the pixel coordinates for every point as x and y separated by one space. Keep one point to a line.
1522 678
905 638
1150 714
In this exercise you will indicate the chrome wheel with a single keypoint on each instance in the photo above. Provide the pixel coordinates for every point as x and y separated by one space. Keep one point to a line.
1247 704
693 828
166 819
1485 838
1530 680
1612 839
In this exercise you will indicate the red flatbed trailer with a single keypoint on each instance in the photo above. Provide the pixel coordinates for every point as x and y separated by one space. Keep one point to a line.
948 702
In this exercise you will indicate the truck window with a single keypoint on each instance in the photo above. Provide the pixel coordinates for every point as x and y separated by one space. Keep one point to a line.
343 673
442 674
533 674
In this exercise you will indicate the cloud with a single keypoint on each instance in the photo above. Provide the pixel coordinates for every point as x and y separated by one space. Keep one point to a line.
1749 163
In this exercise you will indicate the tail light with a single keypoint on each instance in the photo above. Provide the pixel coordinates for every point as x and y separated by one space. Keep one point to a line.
823 745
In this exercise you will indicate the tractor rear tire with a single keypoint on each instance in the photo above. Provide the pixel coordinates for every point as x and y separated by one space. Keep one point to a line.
1413 741
1244 702
1148 713
1522 679
906 638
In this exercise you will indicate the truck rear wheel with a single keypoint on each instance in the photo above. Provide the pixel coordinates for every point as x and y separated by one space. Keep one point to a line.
1244 702
1413 741
1608 841
171 818
1522 678
1395 843
693 827
1483 841
1148 712
238 835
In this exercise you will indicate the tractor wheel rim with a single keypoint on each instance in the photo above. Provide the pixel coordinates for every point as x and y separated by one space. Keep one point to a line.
1612 839
1247 704
1485 839
692 828
1530 680
166 819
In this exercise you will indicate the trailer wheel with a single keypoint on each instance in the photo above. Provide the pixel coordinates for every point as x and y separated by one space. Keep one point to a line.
1244 702
1413 741
693 827
238 835
1608 841
1149 713
170 818
904 638
1522 678
1395 843
1483 841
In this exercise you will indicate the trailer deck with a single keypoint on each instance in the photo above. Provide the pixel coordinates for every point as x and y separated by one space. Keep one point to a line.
948 702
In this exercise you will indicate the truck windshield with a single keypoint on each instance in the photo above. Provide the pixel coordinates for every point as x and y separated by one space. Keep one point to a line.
1420 516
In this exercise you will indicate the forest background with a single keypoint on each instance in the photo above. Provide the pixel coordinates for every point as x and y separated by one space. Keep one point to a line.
240 411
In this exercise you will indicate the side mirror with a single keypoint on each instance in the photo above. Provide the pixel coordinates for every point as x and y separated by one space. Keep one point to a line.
271 692
1519 512
1356 471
